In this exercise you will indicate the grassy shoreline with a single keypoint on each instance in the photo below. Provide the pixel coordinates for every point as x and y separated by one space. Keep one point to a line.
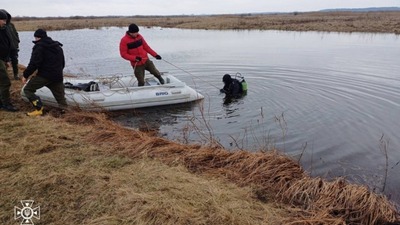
77 181
82 168
373 22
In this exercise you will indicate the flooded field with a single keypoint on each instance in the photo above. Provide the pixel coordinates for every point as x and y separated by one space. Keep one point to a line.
328 99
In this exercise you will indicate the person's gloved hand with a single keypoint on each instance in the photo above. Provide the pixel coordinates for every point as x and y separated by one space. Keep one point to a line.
138 59
158 57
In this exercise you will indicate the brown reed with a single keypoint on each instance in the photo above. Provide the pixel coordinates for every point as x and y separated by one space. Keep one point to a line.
271 174
375 22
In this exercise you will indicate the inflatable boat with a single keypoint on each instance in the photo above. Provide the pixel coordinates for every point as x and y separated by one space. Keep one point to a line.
120 93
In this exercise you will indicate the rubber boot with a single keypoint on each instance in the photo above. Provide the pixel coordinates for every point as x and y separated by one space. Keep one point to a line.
36 112
38 108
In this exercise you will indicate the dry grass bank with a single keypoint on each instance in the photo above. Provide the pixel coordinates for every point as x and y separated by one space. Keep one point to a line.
75 181
82 168
375 22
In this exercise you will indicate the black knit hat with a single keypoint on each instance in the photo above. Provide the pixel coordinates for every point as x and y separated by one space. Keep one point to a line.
3 15
40 33
133 28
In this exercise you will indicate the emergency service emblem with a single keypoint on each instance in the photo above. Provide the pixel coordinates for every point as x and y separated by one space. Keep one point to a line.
27 212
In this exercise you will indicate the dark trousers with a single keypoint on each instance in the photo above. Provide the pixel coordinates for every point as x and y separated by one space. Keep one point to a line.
140 71
5 84
56 87
14 61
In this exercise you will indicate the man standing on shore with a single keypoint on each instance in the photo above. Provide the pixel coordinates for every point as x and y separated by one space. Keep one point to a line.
48 59
14 44
134 48
5 50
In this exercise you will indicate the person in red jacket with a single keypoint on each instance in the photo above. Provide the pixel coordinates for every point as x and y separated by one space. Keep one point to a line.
135 49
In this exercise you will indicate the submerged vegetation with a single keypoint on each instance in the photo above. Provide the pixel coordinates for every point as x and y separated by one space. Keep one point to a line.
82 168
376 22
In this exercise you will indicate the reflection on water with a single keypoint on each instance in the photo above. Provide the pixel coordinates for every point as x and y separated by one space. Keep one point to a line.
152 119
234 101
328 97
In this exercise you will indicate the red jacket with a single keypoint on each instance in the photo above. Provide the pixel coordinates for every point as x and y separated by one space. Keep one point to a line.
130 47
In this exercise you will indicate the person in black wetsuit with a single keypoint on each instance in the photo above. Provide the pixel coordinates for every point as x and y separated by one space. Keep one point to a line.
232 87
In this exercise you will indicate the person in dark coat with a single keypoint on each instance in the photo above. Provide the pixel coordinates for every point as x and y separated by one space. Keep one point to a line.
232 87
14 44
5 50
48 59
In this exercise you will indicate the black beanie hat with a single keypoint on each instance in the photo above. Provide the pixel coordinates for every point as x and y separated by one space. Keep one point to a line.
40 33
133 28
3 15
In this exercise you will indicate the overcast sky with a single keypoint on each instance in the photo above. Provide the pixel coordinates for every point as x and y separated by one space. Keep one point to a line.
44 8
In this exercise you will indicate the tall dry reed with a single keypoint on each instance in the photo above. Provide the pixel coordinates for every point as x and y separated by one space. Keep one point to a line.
272 175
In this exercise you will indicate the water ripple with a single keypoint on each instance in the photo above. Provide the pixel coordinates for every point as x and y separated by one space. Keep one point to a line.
329 97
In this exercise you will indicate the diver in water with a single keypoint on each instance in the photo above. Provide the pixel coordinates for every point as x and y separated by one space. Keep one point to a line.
233 88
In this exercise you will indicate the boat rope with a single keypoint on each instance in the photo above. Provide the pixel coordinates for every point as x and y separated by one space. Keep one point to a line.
191 74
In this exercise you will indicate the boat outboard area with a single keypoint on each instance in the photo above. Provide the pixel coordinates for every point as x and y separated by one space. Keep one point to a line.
121 92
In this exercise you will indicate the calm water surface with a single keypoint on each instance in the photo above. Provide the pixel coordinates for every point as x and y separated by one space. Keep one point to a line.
331 98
